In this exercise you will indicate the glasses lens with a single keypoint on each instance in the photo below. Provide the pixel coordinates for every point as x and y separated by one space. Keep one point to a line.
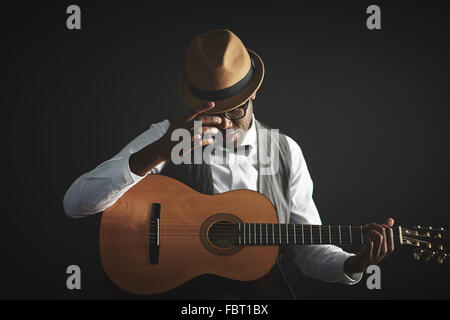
237 113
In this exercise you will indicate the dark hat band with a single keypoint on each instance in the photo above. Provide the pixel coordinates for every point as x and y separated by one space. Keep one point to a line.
215 95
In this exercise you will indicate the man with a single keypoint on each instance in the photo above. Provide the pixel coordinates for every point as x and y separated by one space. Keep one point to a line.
220 83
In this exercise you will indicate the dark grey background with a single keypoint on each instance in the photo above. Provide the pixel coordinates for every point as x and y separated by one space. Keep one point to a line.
368 108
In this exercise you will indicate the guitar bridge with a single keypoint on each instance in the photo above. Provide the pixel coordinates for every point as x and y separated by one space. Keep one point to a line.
154 233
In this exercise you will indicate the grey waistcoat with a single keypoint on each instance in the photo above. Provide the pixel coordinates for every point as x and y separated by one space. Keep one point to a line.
276 187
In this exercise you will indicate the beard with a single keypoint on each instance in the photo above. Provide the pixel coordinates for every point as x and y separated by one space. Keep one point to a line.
230 138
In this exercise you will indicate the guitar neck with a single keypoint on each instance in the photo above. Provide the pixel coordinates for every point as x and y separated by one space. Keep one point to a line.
302 234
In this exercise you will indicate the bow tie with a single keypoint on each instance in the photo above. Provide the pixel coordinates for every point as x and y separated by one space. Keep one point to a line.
242 150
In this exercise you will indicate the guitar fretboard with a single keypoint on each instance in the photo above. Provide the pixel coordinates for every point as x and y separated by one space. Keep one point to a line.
298 234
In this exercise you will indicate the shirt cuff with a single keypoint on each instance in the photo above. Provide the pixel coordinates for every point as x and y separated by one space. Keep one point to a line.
125 176
351 278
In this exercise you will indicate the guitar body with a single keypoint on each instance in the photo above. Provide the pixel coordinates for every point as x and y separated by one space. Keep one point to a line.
185 249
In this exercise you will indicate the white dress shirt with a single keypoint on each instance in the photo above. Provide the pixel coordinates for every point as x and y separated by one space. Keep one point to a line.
98 189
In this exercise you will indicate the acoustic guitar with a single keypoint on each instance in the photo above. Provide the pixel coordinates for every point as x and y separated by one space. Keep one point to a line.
161 234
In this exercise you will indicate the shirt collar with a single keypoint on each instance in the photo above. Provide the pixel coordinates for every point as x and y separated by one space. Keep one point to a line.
248 143
250 136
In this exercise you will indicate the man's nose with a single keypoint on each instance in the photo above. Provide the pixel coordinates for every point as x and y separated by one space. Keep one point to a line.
226 123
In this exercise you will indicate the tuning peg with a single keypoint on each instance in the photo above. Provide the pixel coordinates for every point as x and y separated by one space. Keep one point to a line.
430 256
440 258
418 254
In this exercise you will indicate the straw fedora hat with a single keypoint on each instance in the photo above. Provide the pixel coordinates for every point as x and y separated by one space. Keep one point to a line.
219 68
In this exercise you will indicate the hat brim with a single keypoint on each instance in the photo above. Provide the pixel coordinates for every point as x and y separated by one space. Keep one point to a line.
228 103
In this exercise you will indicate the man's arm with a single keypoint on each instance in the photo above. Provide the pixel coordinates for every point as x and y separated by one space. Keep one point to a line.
97 190
324 262
100 188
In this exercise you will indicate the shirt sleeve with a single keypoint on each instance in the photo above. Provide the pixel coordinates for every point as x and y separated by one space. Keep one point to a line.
324 262
100 188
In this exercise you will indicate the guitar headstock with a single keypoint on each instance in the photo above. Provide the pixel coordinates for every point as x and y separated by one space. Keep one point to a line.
429 242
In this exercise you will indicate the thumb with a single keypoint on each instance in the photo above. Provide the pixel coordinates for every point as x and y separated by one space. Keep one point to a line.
389 222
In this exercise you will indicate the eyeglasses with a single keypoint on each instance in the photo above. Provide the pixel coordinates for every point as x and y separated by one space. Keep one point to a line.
236 113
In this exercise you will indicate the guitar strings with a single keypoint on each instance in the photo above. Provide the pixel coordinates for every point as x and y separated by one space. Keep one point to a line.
324 233
252 232
324 228
306 227
258 235
181 223
319 232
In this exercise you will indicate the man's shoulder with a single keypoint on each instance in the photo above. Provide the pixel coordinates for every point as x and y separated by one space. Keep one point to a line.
293 145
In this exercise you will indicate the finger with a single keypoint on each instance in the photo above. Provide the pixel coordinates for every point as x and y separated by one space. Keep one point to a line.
198 137
206 130
370 253
382 230
377 239
205 142
202 109
198 142
366 250
389 239
226 124
389 222
209 120
390 234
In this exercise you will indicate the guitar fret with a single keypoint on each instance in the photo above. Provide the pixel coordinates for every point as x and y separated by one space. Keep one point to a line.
244 233
279 231
239 232
255 232
267 237
249 234
287 233
350 231
362 237
310 230
303 235
260 233
295 236
320 234
340 237
273 234
329 233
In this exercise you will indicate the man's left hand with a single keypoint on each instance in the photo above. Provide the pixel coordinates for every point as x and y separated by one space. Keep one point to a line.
378 244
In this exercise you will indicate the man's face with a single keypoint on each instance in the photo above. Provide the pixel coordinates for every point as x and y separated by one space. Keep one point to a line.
235 130
232 131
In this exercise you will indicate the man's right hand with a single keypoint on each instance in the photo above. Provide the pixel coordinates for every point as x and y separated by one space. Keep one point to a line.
210 124
149 157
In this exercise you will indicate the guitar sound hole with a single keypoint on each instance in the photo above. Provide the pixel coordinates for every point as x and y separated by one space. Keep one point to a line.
221 234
